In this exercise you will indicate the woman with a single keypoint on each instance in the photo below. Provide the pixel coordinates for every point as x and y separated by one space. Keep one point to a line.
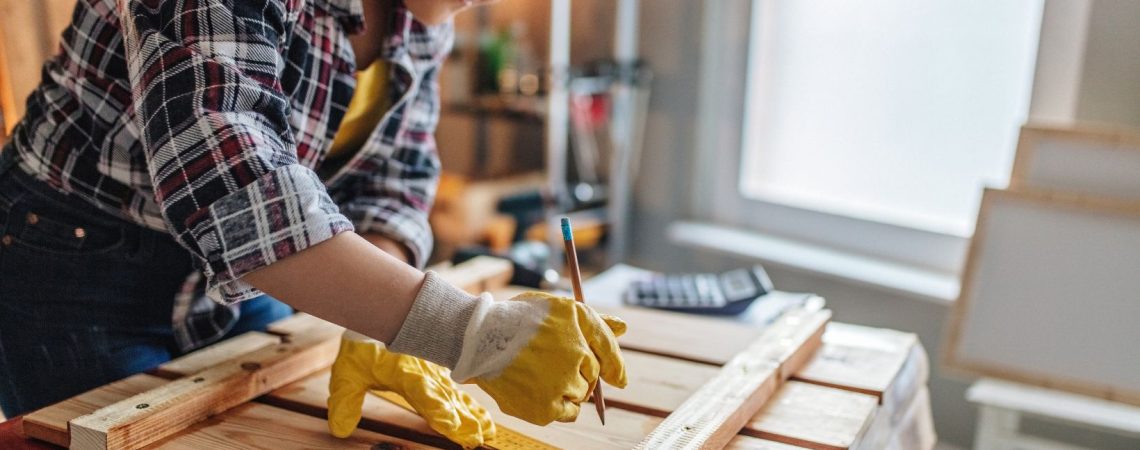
172 180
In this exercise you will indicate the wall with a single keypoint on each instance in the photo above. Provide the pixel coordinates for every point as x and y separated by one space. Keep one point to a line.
670 40
1110 81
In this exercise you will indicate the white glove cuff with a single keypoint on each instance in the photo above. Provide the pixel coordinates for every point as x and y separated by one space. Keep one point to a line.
437 322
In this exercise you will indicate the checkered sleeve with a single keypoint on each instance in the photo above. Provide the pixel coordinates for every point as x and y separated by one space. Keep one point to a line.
397 194
214 127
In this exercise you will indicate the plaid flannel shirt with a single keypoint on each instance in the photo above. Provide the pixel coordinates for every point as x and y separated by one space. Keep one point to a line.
209 118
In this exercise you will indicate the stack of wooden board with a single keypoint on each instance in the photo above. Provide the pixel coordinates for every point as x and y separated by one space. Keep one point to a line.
826 399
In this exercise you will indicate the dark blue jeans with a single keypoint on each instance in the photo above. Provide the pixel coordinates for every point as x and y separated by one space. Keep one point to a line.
82 309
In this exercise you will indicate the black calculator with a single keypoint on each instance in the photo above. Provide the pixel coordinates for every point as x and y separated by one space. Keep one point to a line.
727 293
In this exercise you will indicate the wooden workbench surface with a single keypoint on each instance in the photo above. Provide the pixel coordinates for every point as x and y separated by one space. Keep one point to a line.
863 388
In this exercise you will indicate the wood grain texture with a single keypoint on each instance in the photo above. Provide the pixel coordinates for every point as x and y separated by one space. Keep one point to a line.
623 429
682 336
50 423
658 385
215 354
814 416
725 404
859 359
258 426
310 396
147 417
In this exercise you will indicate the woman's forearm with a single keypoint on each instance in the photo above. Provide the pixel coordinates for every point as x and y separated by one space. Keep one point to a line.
345 280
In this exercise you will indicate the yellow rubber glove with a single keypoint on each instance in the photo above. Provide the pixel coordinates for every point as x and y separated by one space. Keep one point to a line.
539 356
364 364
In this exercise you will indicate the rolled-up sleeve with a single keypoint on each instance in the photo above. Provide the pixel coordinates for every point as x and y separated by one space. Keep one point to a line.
396 196
205 78
396 193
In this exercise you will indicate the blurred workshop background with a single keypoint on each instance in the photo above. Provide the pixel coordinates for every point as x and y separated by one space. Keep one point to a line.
843 145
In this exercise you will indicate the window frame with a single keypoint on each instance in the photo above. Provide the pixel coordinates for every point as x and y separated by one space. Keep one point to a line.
727 35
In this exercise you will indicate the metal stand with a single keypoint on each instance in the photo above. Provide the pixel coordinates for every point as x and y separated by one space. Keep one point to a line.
625 132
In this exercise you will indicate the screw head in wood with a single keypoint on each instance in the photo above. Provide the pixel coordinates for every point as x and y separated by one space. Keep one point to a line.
80 233
32 218
142 406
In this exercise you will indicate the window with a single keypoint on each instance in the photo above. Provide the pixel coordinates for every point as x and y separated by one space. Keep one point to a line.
889 111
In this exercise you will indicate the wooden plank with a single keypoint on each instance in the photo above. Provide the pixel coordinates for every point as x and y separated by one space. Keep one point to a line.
623 428
49 424
658 385
215 354
310 396
812 416
145 418
683 336
258 426
741 442
859 359
726 403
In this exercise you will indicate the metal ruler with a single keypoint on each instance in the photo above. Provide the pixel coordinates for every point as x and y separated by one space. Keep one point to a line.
505 438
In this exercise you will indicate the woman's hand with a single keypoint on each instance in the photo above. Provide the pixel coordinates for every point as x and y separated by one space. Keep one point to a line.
364 365
540 356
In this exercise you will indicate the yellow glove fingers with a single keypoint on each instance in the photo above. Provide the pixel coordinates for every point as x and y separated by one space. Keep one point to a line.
345 400
568 411
486 422
617 326
603 343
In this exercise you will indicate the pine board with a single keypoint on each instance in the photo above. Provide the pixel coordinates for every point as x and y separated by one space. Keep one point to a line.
259 426
812 416
215 354
153 415
859 359
720 408
658 385
50 423
681 336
